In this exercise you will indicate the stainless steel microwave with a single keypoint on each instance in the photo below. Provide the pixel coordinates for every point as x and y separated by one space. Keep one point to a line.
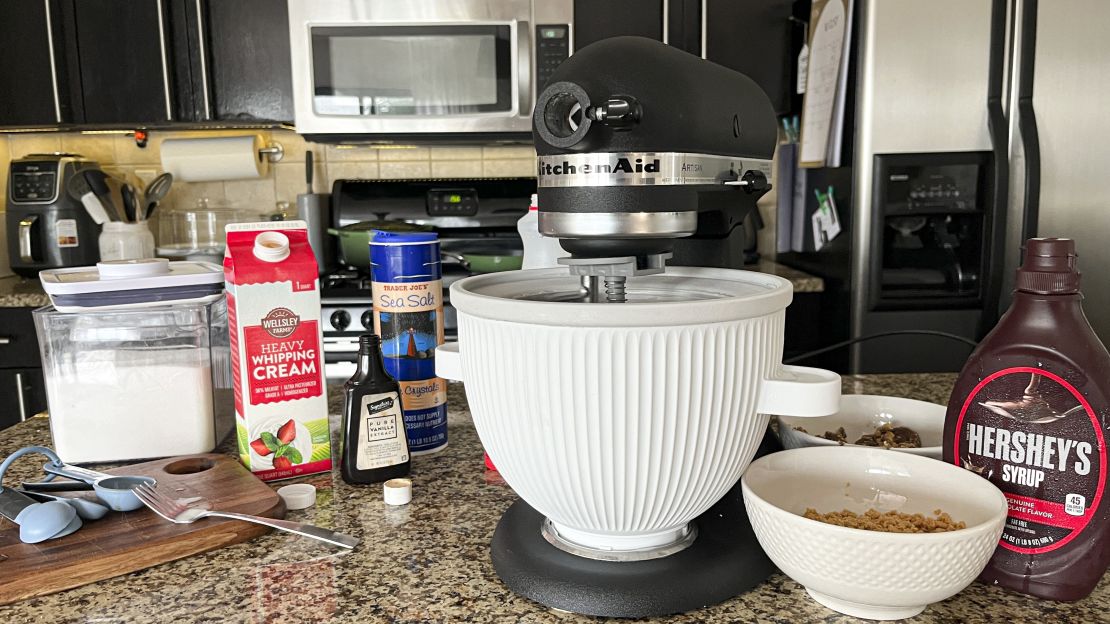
366 70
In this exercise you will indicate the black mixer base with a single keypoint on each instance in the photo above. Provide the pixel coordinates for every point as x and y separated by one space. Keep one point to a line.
724 560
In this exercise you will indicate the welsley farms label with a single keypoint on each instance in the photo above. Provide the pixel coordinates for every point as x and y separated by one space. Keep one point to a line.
276 344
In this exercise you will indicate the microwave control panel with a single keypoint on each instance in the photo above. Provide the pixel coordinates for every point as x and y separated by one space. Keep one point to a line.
552 48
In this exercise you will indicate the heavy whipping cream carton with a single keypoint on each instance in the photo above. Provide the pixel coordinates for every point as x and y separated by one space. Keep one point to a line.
273 300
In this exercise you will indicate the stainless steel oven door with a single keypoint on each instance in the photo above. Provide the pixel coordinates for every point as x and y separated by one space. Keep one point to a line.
413 67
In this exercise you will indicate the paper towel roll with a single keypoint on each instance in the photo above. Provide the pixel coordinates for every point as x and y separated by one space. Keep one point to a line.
215 158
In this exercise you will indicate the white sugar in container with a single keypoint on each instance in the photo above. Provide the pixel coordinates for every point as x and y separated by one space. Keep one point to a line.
127 383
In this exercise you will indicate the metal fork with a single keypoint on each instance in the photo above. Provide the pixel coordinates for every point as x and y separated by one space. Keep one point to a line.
174 511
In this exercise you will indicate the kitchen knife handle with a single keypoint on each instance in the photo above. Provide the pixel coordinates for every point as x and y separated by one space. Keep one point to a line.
12 503
26 254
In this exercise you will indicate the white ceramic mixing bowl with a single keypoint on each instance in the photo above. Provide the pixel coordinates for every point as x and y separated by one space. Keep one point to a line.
623 422
871 574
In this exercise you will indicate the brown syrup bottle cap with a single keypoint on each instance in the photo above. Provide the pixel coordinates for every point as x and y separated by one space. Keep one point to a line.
1049 267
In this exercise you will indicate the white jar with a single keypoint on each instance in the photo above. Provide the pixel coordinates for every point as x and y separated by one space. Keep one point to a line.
540 252
126 241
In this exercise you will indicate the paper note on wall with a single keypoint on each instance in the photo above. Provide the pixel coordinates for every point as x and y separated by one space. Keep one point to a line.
826 47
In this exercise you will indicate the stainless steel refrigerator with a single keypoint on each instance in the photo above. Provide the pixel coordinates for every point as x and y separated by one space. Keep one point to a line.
978 124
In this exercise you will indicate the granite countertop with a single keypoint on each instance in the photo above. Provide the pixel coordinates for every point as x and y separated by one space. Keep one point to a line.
429 561
803 282
20 292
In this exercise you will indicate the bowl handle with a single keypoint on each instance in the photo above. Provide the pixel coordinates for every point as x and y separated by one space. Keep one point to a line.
449 361
799 391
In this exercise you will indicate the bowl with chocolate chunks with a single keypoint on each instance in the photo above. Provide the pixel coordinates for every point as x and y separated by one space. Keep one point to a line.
895 423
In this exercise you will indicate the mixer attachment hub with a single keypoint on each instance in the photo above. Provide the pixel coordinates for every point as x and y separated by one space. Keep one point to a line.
613 272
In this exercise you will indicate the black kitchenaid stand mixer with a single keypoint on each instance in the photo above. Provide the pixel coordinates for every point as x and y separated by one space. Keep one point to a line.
641 144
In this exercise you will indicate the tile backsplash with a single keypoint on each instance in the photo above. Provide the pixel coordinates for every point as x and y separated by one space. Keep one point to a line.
286 179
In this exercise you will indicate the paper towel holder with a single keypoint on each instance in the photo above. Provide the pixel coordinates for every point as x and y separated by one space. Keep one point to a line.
273 152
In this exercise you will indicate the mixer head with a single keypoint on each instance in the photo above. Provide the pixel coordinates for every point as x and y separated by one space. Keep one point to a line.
636 141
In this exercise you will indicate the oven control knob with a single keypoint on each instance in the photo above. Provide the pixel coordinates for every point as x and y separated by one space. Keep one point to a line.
340 319
368 319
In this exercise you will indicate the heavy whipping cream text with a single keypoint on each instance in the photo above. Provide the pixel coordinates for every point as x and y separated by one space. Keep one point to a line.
283 360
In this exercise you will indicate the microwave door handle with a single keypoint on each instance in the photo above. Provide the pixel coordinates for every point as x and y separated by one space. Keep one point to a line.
25 226
524 69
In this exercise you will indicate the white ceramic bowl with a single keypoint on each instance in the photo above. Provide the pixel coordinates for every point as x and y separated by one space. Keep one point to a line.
862 413
622 422
871 574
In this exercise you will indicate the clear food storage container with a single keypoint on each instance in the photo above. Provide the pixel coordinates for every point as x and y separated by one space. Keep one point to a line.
198 230
139 383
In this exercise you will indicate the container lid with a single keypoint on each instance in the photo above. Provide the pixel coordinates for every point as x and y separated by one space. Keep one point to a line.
132 283
680 296
381 237
298 495
1049 267
397 492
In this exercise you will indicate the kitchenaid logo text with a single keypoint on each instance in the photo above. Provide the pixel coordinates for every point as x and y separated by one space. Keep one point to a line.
280 322
1031 449
622 165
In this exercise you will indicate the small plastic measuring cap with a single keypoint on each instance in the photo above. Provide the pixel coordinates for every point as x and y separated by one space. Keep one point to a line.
298 496
397 491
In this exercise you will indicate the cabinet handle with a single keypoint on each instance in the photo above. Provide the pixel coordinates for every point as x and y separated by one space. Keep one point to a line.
53 63
203 62
25 226
524 74
704 36
165 63
666 21
19 394
5 340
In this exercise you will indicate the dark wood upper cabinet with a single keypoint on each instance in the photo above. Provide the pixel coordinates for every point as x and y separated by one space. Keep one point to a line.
30 33
754 38
595 20
247 60
124 56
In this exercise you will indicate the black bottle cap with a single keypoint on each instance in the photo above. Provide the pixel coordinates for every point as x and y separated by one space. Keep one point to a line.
369 341
1048 267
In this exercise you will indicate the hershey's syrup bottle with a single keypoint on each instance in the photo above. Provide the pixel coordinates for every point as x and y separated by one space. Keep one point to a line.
374 447
1030 412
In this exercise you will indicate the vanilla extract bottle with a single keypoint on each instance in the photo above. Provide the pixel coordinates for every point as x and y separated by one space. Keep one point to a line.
374 446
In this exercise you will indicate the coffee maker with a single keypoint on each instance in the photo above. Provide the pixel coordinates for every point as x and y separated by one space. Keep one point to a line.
47 228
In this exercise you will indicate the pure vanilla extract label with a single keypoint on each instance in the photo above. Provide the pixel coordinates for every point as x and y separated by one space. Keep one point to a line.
381 439
1033 435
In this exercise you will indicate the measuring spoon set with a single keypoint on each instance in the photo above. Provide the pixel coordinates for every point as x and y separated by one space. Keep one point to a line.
42 516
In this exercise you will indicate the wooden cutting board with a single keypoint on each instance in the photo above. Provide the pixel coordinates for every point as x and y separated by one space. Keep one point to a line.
124 542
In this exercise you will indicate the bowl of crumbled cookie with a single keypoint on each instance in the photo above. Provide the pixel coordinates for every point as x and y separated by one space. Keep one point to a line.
898 423
870 533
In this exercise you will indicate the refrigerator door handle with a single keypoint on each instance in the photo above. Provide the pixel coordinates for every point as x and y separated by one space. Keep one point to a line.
1027 120
997 127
